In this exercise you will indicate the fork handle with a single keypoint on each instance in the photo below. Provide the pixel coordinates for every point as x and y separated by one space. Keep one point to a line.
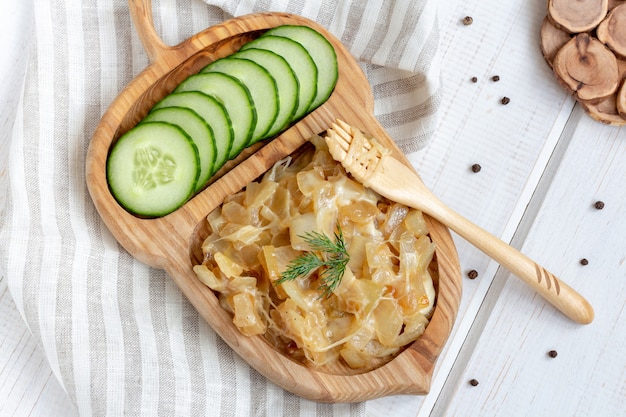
551 288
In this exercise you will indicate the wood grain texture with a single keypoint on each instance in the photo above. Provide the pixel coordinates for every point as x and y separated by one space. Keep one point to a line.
578 16
510 354
595 66
172 242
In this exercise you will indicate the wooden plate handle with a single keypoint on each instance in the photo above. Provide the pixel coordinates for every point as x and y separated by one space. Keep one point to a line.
141 13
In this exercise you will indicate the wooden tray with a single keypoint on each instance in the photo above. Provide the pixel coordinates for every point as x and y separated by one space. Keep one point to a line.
173 242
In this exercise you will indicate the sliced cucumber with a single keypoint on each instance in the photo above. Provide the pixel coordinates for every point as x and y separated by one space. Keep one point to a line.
196 128
300 62
152 169
212 116
286 83
213 113
261 86
236 100
323 55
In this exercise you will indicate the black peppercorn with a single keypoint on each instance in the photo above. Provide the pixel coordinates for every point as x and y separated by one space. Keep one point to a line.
599 205
473 274
584 261
474 79
552 354
476 168
496 78
505 100
468 20
473 382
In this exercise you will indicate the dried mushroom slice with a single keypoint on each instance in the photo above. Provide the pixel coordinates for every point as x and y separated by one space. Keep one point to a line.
621 100
612 30
604 111
552 39
607 110
587 67
577 16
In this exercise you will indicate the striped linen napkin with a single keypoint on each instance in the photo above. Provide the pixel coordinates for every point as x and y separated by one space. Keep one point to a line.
120 336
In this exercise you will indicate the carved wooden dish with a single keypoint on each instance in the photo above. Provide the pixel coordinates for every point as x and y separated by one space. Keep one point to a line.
173 242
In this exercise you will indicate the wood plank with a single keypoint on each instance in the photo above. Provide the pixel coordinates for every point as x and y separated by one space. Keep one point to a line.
587 376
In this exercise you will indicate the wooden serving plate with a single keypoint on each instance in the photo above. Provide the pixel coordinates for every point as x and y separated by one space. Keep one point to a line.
173 242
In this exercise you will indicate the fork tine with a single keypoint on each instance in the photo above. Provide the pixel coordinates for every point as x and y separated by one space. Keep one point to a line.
348 133
345 126
359 136
337 147
356 152
341 136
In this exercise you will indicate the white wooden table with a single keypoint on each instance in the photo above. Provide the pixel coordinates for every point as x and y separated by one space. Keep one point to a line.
544 165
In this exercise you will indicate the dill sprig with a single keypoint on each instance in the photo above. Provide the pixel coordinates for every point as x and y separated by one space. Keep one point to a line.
333 258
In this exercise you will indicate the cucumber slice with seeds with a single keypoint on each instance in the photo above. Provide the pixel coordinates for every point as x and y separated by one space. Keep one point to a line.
212 116
300 62
153 168
213 113
323 55
236 100
260 84
197 129
286 84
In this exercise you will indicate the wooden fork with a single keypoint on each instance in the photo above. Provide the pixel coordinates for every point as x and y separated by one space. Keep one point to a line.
371 164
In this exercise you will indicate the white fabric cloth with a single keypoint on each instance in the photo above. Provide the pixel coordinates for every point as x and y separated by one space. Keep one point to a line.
119 336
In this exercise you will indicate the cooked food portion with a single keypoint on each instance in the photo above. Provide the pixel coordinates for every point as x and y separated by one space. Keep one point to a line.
325 268
234 102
